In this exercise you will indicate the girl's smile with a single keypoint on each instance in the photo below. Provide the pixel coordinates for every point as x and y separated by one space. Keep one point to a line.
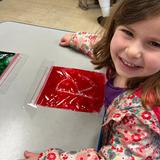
135 49
128 66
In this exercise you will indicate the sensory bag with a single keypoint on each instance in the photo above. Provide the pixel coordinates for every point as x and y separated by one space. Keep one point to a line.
72 89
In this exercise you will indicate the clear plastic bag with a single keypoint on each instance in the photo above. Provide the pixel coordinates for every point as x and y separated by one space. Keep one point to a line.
70 88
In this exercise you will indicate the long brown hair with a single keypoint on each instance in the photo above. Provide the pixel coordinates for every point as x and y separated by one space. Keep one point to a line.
127 12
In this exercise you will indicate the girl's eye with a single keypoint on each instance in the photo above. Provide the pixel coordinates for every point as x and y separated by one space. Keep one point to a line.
127 32
155 44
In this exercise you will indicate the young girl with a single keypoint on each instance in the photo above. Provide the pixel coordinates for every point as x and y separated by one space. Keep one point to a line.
130 49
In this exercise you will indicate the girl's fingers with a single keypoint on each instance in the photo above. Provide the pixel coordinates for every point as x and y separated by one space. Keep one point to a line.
63 43
65 40
28 154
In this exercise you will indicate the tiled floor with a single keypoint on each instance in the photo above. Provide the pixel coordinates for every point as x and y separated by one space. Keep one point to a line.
60 14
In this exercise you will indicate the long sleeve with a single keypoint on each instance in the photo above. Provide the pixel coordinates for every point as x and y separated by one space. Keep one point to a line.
130 132
84 42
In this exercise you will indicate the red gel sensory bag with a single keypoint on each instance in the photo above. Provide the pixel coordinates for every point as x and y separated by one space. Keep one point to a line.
74 89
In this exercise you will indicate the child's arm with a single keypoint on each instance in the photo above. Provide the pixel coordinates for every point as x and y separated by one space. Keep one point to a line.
81 41
106 153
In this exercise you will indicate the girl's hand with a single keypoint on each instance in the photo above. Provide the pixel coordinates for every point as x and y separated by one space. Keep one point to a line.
65 40
30 155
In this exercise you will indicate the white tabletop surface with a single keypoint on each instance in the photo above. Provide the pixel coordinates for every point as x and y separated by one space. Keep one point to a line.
23 127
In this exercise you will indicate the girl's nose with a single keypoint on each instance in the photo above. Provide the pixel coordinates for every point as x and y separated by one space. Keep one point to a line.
134 50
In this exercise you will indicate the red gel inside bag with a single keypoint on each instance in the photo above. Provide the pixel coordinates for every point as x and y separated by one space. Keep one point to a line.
74 89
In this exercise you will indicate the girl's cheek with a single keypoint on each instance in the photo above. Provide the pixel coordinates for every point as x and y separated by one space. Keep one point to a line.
119 41
115 43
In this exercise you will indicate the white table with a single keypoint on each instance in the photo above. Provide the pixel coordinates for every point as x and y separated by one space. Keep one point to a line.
24 128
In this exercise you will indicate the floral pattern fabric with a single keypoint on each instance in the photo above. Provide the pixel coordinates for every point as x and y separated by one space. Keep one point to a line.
130 132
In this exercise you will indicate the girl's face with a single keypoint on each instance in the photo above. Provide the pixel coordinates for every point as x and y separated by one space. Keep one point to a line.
135 49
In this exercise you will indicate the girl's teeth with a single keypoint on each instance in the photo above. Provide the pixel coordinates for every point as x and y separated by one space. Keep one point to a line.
128 64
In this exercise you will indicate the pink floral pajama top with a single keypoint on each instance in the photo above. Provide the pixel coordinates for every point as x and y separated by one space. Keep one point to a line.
130 131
